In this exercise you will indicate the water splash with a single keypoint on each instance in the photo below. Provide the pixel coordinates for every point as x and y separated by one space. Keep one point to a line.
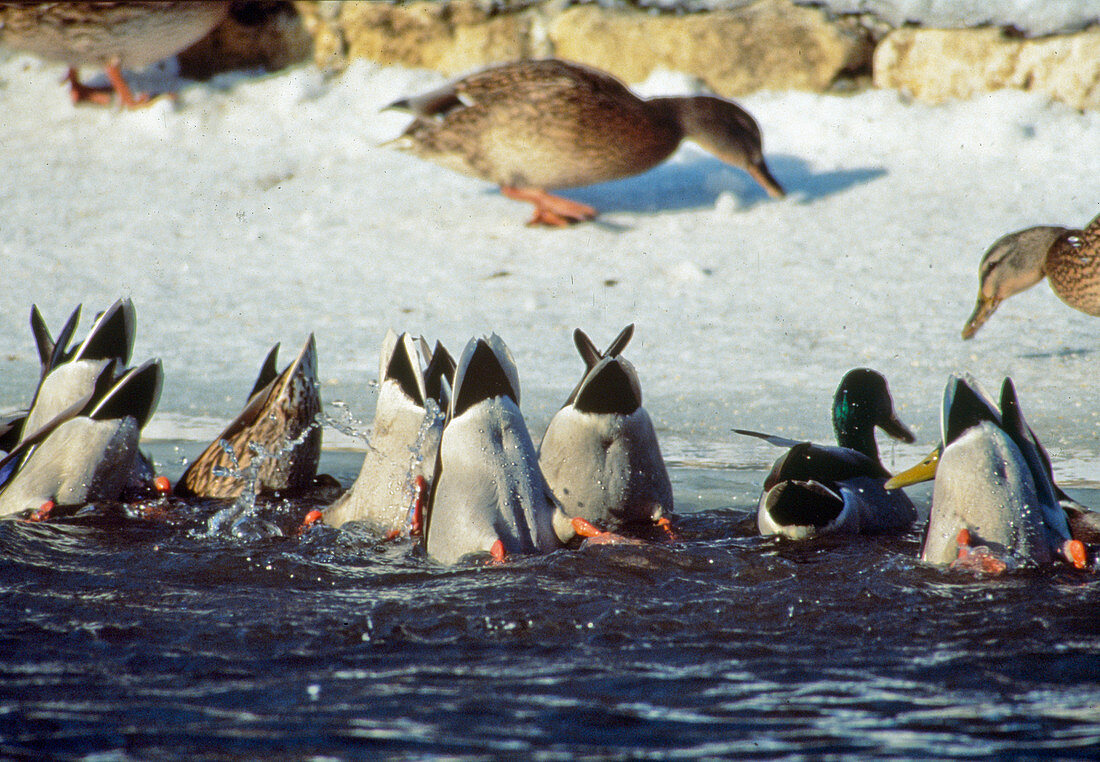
242 519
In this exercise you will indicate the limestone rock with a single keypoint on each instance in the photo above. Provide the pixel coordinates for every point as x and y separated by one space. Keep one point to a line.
940 64
768 44
451 37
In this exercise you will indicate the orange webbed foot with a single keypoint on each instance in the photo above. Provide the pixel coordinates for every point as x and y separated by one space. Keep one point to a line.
1074 552
499 554
311 518
102 96
550 210
665 524
596 536
42 512
976 559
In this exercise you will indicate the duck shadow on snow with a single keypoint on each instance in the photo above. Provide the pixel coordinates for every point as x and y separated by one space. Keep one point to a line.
696 182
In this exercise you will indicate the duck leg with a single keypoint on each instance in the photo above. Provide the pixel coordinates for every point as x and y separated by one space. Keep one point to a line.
125 95
102 95
82 93
550 210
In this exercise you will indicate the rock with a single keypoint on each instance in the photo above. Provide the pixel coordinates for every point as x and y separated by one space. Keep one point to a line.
451 37
770 44
936 65
766 44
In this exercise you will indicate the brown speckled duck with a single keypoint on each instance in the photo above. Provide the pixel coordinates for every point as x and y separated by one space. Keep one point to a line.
534 126
1069 259
278 424
111 35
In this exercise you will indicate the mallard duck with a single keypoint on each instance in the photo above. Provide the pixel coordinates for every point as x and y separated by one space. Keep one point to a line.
78 442
534 126
600 454
408 422
488 494
1069 259
111 35
993 486
816 489
277 434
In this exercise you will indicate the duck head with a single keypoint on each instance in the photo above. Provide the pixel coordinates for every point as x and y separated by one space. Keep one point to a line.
862 402
1011 265
727 131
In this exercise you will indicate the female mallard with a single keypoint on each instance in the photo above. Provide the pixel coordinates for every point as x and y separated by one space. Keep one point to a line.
276 439
533 126
1070 260
112 35
815 489
993 486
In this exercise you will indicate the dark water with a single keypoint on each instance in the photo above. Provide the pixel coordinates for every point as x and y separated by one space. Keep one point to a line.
131 638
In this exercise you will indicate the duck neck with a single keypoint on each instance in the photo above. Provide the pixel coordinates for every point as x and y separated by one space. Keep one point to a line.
670 112
852 427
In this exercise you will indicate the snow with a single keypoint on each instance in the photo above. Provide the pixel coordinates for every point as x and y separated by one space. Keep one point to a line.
257 209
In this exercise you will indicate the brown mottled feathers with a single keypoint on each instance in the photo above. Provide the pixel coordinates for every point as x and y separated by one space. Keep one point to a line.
133 34
1073 268
279 420
545 124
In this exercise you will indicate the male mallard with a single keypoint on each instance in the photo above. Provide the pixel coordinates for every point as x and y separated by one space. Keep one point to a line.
1070 260
112 35
277 431
487 493
816 489
993 486
404 438
533 126
78 442
600 454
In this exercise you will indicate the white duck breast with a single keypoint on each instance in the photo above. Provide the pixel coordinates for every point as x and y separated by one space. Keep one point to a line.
107 451
78 458
488 486
403 442
600 454
983 484
994 479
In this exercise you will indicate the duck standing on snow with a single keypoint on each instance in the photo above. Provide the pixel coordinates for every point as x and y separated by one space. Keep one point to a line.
994 501
600 454
817 489
534 126
1069 259
78 442
277 433
487 494
111 35
408 422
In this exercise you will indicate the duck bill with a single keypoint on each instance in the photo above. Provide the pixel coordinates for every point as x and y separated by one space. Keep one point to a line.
898 430
922 472
982 310
761 174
